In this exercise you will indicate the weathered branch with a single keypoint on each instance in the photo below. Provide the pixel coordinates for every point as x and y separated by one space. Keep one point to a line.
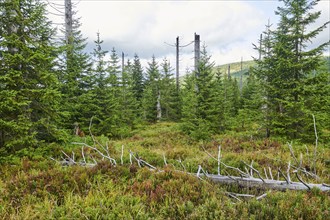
233 196
298 177
165 163
262 196
288 172
235 168
219 160
270 173
199 170
122 155
292 153
306 172
254 171
113 161
265 173
137 159
148 164
287 181
210 155
316 143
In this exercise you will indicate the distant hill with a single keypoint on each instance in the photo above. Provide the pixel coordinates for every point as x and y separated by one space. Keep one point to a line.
235 68
236 72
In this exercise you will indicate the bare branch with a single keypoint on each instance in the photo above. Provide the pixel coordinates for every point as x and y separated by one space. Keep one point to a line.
199 170
137 159
270 173
242 195
83 154
316 143
287 181
265 173
251 171
288 172
262 196
254 171
233 196
292 153
122 154
302 169
148 164
247 171
298 177
210 155
219 160
326 185
165 163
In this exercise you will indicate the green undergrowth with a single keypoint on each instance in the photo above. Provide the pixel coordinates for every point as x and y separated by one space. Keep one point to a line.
39 188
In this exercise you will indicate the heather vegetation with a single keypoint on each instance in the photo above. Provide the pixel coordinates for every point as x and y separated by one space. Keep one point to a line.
59 102
39 188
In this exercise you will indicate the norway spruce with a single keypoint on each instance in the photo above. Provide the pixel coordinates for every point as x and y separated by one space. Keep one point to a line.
289 63
29 97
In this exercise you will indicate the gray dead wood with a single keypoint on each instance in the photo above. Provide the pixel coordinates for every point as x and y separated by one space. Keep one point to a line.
264 184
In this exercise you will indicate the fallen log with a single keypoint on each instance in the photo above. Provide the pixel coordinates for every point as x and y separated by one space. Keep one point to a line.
264 184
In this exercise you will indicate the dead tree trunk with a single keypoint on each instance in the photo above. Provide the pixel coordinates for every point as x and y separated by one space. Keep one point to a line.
159 108
265 184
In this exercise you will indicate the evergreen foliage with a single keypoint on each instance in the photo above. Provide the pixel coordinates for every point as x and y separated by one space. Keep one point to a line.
129 112
287 64
75 77
109 118
138 79
152 92
29 93
199 104
231 101
47 87
250 112
95 98
170 100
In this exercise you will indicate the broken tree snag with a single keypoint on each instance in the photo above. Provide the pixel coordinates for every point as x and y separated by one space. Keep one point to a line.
264 184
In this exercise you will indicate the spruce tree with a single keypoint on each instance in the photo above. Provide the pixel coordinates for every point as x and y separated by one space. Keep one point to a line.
263 71
220 119
290 62
95 97
189 104
29 93
152 93
127 102
110 119
170 101
114 69
75 74
250 114
138 78
317 103
231 101
199 102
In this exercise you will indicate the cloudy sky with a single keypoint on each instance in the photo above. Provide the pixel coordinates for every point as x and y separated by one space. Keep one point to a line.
227 27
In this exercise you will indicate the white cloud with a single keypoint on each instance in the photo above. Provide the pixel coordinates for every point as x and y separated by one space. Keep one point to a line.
228 28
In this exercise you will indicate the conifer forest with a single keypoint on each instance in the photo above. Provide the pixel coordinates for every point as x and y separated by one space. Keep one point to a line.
90 135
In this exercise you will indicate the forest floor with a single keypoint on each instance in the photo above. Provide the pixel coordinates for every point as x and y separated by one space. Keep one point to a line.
41 188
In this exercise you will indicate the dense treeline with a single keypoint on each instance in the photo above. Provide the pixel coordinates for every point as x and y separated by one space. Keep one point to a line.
50 89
